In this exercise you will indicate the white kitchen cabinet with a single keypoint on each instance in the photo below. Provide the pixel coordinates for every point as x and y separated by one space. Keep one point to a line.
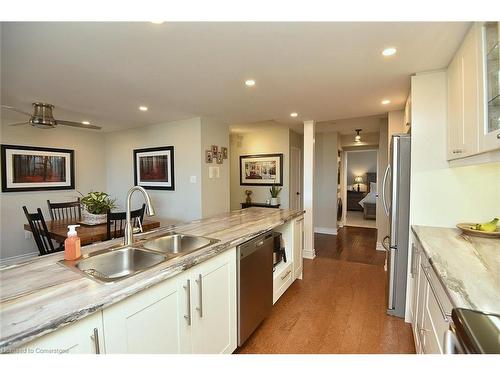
149 322
213 303
82 337
430 307
463 105
194 312
298 246
489 95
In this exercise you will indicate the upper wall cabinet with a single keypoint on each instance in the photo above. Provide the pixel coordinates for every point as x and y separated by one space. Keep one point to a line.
463 82
473 94
490 96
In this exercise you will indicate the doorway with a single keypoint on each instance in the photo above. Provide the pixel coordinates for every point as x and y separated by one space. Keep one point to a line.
360 188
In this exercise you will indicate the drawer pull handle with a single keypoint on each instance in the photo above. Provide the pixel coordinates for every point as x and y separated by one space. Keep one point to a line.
445 315
200 284
285 275
95 338
188 291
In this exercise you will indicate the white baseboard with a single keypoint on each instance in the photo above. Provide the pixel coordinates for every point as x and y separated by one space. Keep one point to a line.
309 254
17 259
325 230
380 247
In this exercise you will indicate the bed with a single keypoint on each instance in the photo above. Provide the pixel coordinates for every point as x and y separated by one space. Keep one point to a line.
369 202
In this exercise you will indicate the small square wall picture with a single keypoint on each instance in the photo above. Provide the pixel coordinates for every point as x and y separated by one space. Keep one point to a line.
209 157
215 149
154 168
223 150
26 168
219 158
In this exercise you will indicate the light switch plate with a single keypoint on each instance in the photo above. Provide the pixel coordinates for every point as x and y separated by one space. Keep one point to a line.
213 172
192 179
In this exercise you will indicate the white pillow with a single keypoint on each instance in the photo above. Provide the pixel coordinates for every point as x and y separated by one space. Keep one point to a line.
373 187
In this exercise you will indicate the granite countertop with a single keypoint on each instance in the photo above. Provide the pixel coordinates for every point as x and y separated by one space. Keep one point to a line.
39 296
468 266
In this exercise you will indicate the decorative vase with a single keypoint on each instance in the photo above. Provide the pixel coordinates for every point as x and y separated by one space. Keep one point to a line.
93 219
275 201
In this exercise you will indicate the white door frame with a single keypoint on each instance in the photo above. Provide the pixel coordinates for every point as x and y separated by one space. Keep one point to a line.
345 157
293 177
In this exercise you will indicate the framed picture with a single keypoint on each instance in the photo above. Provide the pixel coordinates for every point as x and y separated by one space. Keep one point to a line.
261 170
223 150
154 168
215 149
219 158
26 168
209 157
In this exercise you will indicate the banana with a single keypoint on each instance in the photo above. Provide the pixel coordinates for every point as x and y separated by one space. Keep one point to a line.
490 226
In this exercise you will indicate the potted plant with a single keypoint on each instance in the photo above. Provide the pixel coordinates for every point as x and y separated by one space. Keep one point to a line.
95 206
275 191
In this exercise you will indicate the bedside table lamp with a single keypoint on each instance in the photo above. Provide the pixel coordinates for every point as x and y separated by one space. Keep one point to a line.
358 180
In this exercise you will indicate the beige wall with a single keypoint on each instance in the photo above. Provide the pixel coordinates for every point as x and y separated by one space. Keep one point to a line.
325 186
215 192
269 138
443 196
297 141
184 203
90 174
395 123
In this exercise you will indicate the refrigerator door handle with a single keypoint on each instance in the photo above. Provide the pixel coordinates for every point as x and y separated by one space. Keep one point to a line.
391 278
384 181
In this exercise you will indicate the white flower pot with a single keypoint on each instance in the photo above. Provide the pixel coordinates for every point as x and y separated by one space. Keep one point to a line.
275 201
93 219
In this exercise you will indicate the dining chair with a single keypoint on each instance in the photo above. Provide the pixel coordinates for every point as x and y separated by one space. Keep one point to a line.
117 220
40 232
65 210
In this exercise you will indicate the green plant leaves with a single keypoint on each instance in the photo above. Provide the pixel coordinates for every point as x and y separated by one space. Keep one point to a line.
97 202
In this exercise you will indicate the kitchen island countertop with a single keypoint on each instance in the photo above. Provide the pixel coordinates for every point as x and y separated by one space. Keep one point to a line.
40 295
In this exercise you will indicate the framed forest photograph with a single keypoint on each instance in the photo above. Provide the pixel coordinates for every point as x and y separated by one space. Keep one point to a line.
26 168
154 168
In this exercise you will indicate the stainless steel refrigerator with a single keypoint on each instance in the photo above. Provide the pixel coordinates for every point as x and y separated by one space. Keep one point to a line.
396 201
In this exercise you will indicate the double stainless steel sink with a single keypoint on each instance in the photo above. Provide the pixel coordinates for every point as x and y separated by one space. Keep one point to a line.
119 263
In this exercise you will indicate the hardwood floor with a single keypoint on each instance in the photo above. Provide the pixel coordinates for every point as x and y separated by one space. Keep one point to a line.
339 306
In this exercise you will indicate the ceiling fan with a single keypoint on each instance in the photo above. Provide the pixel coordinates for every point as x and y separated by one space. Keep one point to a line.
42 118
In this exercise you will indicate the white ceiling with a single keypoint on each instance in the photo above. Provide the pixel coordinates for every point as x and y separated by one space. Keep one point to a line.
102 72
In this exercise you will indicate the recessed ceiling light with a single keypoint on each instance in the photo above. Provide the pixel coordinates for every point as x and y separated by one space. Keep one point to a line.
389 51
143 108
157 22
85 123
250 82
385 101
294 114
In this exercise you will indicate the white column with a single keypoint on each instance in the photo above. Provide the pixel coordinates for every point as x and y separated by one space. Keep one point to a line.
309 190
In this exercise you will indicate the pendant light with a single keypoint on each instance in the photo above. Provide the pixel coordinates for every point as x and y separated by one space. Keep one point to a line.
357 138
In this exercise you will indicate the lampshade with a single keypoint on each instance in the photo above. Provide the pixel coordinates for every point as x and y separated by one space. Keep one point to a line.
358 179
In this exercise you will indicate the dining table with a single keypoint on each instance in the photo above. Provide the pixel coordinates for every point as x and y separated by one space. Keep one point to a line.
88 234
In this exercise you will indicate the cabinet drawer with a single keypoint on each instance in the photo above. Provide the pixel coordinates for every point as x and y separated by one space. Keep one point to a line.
282 279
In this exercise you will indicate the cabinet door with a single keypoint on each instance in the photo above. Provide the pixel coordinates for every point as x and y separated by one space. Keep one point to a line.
415 262
82 337
488 36
298 246
463 115
148 322
421 298
214 305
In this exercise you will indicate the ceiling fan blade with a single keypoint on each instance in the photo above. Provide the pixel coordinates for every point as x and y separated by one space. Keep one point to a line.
77 124
19 123
15 110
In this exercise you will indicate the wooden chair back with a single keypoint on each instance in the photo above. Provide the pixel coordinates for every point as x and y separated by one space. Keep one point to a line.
40 232
117 221
66 210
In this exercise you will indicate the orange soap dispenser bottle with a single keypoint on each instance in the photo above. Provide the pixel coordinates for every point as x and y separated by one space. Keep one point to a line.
72 244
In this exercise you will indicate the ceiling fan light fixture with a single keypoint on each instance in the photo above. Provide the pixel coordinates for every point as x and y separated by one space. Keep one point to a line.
357 138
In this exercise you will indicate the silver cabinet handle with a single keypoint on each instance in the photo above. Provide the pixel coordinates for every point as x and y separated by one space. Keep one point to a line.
95 338
445 315
285 275
413 259
200 284
188 290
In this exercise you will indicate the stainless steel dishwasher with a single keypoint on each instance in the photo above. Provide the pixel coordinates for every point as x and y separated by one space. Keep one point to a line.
255 283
